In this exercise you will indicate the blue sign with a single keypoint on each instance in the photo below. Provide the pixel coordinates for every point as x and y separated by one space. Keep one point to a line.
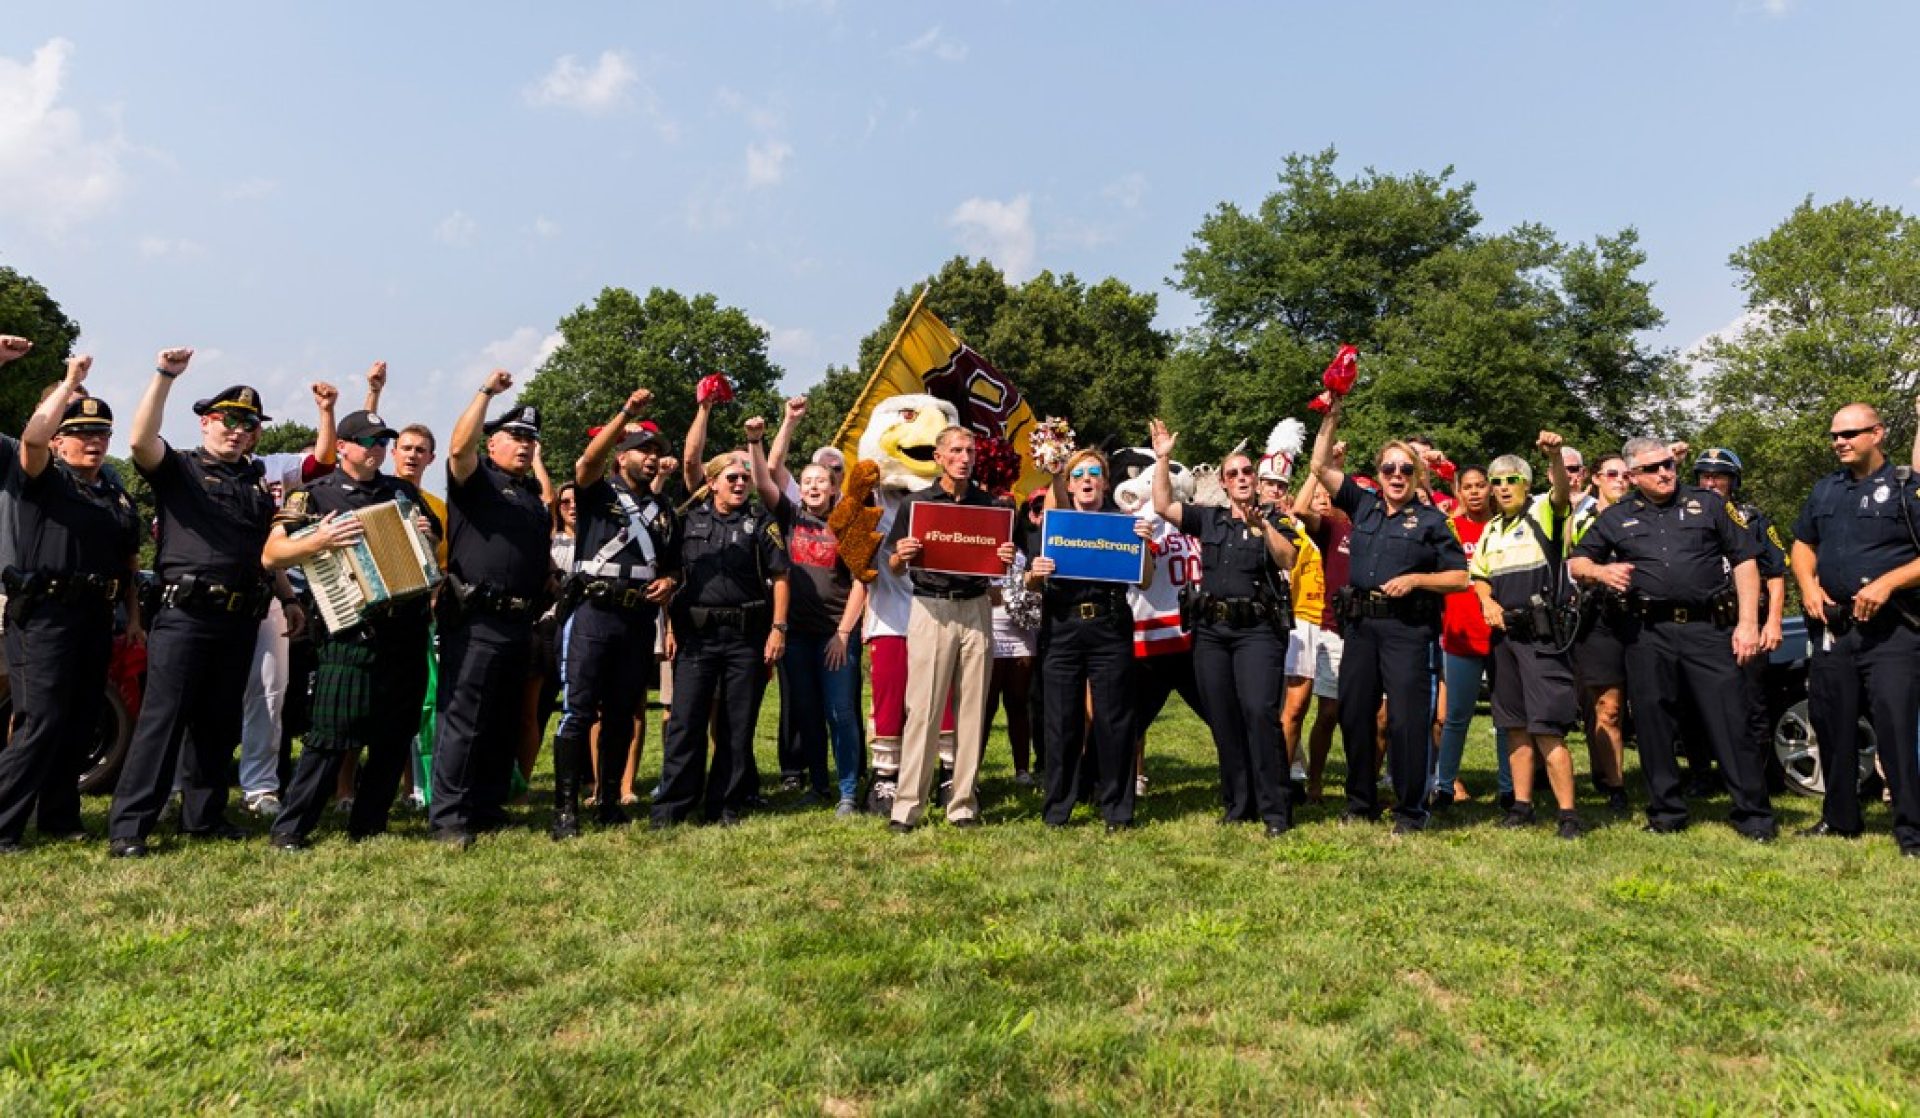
1094 546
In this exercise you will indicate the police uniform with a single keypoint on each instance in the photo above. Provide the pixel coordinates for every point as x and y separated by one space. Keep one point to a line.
214 519
721 616
1389 646
75 543
1530 673
1599 659
497 553
370 679
623 541
1861 528
1239 649
1086 643
1681 553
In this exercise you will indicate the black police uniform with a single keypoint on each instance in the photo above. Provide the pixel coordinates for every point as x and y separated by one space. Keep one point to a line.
1772 563
1681 552
1861 528
720 617
369 682
1086 642
75 543
214 519
606 645
498 558
1389 646
1238 655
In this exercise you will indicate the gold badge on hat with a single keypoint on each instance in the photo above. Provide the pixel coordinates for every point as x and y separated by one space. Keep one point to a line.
90 407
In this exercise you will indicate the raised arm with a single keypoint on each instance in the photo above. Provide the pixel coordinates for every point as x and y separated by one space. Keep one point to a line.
757 456
376 383
783 442
13 347
548 494
694 453
38 435
326 440
592 465
463 446
1324 471
1163 502
1560 495
148 447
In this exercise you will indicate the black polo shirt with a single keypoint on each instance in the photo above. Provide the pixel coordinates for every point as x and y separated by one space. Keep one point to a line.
939 582
499 530
1859 527
1681 551
1414 541
214 518
66 525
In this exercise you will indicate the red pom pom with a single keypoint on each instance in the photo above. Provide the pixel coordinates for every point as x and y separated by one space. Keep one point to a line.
996 465
1341 372
1445 470
715 388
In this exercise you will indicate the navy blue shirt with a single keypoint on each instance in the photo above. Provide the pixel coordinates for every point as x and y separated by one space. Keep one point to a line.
1414 541
214 518
729 557
1859 527
1681 551
498 530
1234 563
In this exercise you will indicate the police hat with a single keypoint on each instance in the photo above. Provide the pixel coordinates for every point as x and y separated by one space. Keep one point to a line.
639 435
238 398
521 419
85 415
1717 460
364 424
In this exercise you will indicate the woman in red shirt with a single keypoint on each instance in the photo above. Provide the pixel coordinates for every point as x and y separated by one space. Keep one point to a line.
1463 647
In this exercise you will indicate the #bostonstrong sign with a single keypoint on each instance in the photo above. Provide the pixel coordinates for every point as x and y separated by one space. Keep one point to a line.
1094 546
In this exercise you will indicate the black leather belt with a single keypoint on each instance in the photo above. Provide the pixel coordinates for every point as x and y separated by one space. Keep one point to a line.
27 587
1089 610
1676 613
1238 613
948 595
726 617
613 593
194 592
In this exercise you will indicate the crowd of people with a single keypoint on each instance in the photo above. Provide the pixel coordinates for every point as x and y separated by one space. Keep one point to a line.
1373 599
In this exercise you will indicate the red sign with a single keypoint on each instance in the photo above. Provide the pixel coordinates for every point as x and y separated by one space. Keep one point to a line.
960 539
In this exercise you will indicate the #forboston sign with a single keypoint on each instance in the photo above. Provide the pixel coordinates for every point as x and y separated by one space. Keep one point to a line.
960 539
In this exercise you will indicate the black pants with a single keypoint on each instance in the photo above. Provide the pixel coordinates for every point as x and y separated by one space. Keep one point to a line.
1668 664
1082 653
368 696
720 660
606 655
1390 658
484 661
197 664
1238 673
1157 678
1873 668
57 655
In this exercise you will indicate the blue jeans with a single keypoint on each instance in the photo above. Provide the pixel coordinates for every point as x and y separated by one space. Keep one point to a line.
822 702
1463 691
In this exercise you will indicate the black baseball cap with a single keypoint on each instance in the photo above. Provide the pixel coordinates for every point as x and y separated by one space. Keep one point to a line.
364 424
639 435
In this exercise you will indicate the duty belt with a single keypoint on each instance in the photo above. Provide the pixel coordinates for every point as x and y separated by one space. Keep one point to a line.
27 587
1721 609
1237 613
194 592
1416 607
612 593
478 597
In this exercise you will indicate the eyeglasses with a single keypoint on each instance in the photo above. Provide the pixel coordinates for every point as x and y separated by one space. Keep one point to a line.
1507 479
1612 474
240 421
1086 471
734 477
1851 434
1397 469
372 442
1664 466
1243 471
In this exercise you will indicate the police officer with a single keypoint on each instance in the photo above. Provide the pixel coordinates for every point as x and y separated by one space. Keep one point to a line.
1669 549
498 533
625 566
1405 559
1241 624
214 517
371 678
1856 555
78 538
726 626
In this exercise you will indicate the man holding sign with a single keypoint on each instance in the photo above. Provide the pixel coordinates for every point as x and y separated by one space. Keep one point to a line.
953 537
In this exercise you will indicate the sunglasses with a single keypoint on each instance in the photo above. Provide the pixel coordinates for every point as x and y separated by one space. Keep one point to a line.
1664 466
372 442
1576 469
734 477
1243 471
1086 471
1851 434
1613 474
1397 469
239 421
1507 479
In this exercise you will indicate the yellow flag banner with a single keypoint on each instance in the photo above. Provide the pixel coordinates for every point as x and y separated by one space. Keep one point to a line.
928 358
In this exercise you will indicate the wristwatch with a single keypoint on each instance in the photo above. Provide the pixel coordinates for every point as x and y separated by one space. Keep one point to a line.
780 627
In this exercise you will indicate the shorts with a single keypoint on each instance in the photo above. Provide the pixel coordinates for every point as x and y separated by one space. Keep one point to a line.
1599 659
1532 688
1327 647
1300 654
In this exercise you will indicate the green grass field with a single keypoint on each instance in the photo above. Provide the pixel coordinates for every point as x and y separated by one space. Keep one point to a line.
803 964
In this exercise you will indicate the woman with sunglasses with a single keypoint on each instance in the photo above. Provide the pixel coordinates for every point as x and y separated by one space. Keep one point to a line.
1404 560
1599 659
1240 633
1086 661
1517 573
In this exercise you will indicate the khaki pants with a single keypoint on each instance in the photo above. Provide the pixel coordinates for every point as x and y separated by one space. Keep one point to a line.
949 647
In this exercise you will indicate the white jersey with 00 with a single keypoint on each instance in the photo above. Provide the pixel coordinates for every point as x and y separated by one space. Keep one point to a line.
1156 610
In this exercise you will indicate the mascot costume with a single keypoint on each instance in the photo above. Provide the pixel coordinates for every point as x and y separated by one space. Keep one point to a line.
895 458
1162 646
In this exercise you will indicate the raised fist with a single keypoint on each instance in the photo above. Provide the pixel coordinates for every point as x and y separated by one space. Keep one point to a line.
796 408
377 376
77 367
1337 457
756 429
638 402
1548 442
498 381
325 395
173 362
13 347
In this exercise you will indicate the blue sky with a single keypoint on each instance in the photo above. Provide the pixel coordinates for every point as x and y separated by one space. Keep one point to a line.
298 190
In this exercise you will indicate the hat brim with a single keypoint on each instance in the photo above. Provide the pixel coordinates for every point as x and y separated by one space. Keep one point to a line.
635 442
516 429
85 427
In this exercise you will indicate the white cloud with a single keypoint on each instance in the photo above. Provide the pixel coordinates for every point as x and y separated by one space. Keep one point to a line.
1776 8
456 229
249 189
1000 231
764 117
178 247
790 347
520 353
545 227
53 173
604 86
1127 191
1732 332
940 45
767 163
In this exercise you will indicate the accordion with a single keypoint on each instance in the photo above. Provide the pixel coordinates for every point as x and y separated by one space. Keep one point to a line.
392 562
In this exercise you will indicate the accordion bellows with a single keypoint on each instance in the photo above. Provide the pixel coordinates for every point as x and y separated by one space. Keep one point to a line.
392 562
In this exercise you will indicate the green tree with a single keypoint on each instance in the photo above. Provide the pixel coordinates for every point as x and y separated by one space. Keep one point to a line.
285 437
1833 302
665 342
28 311
1477 339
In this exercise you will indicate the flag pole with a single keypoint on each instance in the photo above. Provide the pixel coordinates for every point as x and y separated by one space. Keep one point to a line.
840 436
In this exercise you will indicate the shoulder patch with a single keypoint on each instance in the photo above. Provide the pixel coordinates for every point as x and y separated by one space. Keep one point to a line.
1734 514
773 534
1774 537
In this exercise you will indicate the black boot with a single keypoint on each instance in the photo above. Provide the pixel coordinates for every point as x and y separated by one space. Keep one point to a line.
567 753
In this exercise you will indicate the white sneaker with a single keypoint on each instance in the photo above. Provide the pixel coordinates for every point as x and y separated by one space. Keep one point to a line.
264 804
1140 785
1299 773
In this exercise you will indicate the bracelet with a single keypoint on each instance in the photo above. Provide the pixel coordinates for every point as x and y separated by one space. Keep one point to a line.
164 373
